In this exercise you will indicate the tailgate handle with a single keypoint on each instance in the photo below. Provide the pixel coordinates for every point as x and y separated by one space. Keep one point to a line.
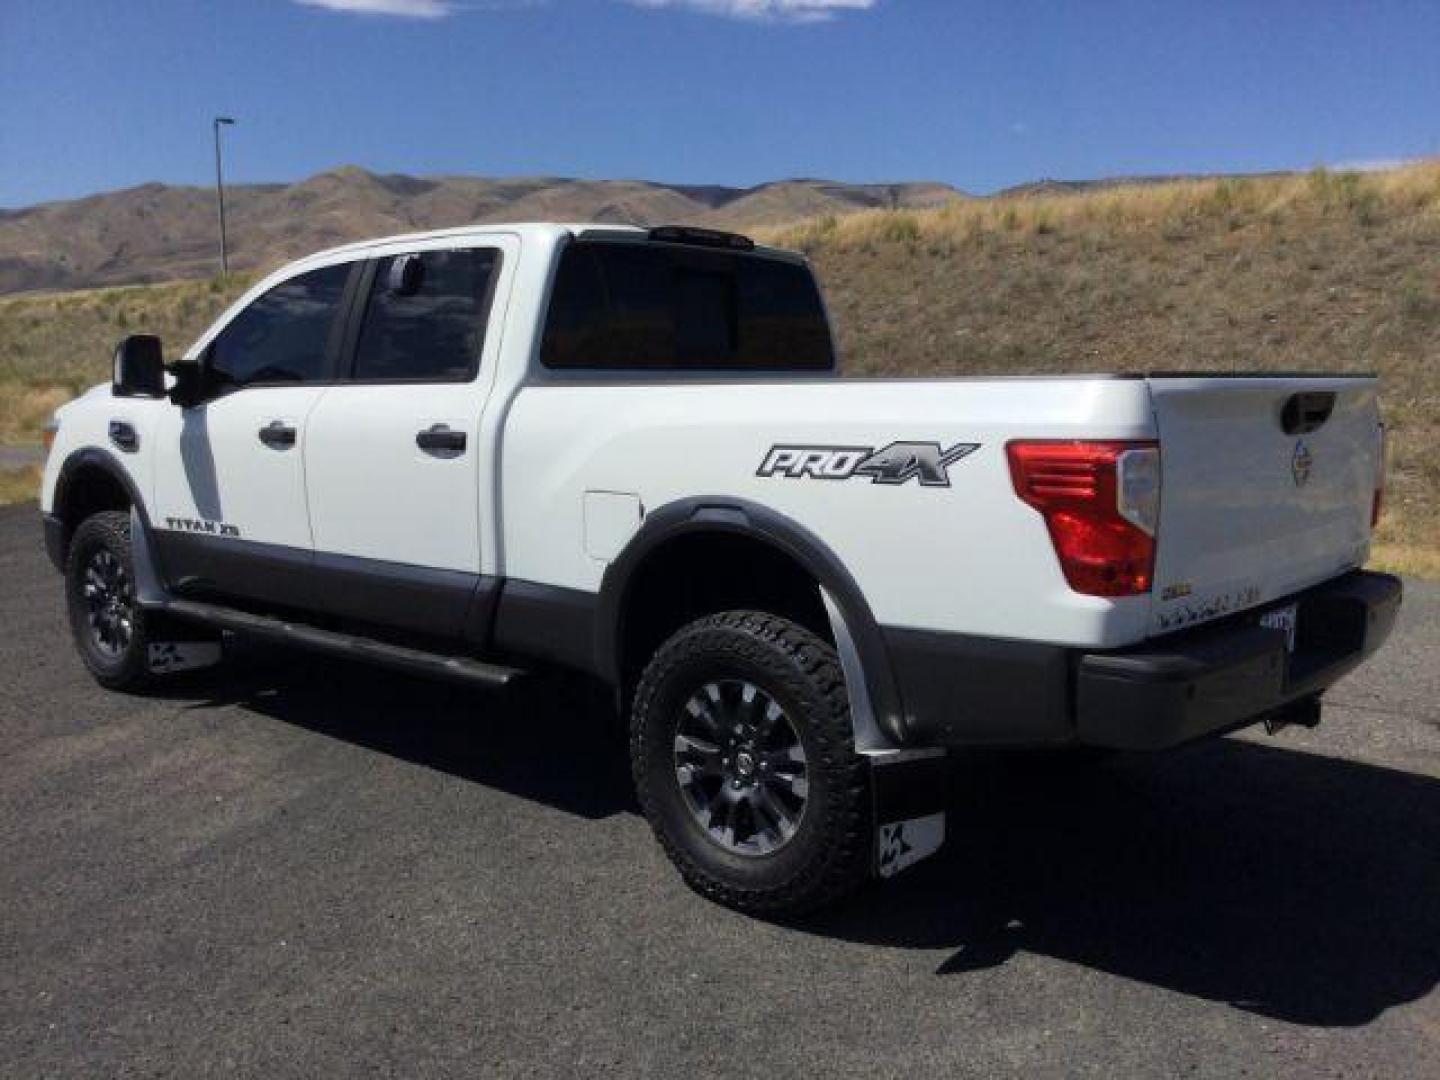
1307 412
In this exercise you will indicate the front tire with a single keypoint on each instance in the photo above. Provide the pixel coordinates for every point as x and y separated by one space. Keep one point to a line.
744 762
108 625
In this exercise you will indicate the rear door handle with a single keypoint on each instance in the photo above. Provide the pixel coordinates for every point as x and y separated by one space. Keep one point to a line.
441 439
277 434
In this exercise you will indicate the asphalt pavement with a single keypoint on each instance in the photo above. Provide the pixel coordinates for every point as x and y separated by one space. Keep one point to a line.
294 867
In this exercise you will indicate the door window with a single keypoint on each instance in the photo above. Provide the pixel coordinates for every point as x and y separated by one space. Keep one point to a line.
283 337
425 317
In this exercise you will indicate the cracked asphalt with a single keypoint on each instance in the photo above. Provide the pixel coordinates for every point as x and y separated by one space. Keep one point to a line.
294 867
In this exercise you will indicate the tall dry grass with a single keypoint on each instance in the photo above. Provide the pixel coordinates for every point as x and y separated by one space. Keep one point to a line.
52 346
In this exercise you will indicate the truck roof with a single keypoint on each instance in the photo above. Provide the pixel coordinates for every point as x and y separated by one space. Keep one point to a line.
549 230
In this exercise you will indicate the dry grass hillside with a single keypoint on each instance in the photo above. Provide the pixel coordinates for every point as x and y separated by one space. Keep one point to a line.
157 232
1321 272
53 346
1326 272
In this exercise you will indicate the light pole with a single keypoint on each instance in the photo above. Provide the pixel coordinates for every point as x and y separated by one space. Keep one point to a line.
220 193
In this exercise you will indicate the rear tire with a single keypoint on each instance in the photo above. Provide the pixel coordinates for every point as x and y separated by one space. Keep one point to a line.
744 762
107 623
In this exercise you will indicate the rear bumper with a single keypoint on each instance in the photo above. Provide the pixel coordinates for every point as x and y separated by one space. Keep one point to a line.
965 691
1214 679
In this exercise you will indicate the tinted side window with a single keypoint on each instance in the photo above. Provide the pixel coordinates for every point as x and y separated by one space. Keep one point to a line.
576 325
783 319
425 318
281 337
654 306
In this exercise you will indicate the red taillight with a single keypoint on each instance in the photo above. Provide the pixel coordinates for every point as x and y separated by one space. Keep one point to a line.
1377 503
1101 504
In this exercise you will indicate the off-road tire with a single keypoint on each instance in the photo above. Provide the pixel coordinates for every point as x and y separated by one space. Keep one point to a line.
127 668
829 853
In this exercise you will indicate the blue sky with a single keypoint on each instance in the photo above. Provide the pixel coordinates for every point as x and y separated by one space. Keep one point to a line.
98 95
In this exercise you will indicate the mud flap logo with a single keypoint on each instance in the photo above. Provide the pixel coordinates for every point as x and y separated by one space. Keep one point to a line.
171 656
897 463
904 843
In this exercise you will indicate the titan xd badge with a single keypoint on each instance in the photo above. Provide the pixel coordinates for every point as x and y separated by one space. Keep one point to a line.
897 463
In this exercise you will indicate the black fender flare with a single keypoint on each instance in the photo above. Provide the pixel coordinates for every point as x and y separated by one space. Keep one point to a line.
735 516
93 457
97 458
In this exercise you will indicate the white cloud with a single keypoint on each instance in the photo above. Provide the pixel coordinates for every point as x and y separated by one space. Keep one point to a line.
773 10
405 9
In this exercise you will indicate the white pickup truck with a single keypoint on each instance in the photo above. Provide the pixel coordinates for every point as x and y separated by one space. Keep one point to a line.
624 452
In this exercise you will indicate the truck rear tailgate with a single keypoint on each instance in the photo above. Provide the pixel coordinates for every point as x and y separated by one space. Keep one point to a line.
1267 488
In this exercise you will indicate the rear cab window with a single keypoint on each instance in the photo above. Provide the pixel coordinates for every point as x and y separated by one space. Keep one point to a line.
651 306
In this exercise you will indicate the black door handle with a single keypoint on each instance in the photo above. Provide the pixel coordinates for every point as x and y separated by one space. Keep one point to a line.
440 438
277 434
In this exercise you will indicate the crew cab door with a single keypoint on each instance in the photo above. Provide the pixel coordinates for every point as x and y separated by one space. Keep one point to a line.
230 513
393 458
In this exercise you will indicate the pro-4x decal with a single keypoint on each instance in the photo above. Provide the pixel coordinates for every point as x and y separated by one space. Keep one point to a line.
897 463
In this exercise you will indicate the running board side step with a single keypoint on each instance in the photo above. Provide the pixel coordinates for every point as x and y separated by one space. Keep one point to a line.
416 661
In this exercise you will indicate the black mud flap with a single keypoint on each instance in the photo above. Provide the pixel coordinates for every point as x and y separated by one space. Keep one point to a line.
908 789
178 647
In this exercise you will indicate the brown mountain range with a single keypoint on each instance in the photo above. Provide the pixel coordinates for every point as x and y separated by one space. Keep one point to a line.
158 232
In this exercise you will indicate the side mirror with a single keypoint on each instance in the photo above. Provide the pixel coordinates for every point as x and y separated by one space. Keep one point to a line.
406 275
139 368
188 389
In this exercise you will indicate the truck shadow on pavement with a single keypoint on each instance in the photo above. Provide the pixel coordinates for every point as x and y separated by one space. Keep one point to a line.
1287 884
1297 887
544 742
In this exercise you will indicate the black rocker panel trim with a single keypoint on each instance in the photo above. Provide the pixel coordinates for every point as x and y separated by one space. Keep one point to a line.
420 598
446 604
547 622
